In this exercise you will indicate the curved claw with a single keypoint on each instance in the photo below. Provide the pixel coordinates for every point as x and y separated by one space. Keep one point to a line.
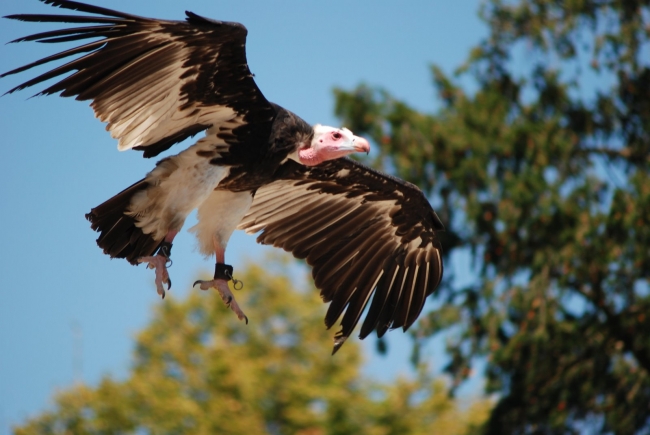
161 290
158 262
226 296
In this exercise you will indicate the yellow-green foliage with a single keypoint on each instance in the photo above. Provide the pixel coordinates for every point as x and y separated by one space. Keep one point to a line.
198 370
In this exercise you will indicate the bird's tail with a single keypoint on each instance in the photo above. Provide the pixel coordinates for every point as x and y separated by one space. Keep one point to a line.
119 236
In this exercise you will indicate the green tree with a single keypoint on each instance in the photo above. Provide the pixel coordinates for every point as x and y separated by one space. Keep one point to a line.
542 175
198 370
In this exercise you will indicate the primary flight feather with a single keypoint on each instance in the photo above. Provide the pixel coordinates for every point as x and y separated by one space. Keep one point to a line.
370 238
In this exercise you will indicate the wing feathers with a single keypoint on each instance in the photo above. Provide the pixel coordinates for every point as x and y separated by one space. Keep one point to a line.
356 288
132 66
65 35
337 236
345 250
312 233
59 18
380 297
406 296
419 295
81 7
370 239
155 82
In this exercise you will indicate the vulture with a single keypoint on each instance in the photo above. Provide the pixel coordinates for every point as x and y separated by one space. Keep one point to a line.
258 167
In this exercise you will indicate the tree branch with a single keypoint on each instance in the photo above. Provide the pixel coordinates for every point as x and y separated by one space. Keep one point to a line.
597 298
624 153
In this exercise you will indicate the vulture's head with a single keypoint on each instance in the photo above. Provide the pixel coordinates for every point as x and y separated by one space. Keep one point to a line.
331 143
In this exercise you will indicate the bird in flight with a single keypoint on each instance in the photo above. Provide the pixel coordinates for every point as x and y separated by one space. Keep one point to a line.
258 167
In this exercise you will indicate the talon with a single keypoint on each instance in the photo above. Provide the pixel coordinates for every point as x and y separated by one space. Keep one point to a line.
161 291
158 262
227 297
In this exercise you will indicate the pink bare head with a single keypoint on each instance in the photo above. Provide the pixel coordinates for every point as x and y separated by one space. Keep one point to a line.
331 143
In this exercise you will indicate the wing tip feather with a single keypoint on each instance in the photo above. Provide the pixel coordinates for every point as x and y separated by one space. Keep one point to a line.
339 340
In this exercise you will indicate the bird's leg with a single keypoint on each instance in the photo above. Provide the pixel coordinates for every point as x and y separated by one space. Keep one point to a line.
223 274
160 261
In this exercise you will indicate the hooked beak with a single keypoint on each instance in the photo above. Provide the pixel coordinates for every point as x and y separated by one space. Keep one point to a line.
360 145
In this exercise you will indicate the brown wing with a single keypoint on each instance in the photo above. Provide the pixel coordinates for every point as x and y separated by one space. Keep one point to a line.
154 82
361 231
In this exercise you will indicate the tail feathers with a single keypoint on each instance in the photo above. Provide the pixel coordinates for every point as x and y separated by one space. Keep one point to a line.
119 236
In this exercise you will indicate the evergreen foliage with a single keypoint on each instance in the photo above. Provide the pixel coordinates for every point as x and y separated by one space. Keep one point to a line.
541 173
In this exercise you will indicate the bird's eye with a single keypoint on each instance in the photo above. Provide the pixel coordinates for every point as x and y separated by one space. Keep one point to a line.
336 135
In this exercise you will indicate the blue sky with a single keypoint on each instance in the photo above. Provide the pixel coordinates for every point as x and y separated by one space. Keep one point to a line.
58 162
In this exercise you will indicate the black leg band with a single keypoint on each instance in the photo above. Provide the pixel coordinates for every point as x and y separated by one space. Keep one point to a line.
223 271
165 249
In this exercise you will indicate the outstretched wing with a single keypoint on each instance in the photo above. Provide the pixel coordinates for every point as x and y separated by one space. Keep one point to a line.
361 231
154 82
